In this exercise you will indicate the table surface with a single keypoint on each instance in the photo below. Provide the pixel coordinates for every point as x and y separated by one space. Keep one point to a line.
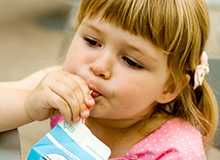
10 145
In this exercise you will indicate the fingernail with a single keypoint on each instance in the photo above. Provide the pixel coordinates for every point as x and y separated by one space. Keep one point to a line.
90 101
85 113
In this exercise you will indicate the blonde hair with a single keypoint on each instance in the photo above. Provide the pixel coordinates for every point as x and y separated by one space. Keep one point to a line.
180 28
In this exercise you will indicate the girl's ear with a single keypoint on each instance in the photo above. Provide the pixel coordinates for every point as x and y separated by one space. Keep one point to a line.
172 90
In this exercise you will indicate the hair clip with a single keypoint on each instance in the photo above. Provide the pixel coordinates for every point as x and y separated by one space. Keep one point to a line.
201 70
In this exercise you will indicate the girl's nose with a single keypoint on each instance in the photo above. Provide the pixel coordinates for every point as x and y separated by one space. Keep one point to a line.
102 67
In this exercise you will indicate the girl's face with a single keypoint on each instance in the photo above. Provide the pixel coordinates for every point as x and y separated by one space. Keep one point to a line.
128 71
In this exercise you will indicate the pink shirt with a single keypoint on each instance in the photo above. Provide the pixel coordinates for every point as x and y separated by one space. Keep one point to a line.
176 139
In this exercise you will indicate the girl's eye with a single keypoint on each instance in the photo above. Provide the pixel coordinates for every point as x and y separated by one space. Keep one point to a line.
92 42
132 63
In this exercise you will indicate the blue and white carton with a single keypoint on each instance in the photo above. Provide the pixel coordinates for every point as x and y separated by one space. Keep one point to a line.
69 142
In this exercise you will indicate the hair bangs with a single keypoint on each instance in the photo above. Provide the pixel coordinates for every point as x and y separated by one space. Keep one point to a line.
130 15
156 20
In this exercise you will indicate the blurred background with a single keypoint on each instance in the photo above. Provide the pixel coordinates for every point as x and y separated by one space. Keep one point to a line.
33 35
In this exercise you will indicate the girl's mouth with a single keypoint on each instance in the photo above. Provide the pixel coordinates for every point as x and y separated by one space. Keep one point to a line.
93 91
94 94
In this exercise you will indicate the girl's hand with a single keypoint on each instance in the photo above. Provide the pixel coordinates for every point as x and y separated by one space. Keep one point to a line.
59 91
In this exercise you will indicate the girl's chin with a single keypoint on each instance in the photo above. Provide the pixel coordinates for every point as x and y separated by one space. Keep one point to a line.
102 109
99 113
96 113
102 115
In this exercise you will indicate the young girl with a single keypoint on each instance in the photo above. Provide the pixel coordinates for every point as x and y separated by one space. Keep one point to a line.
135 69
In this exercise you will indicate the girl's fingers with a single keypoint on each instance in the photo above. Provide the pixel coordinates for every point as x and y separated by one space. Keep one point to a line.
71 92
88 100
74 91
68 95
56 102
75 109
84 111
83 96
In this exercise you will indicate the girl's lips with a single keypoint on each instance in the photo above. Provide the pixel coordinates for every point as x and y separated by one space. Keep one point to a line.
94 94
